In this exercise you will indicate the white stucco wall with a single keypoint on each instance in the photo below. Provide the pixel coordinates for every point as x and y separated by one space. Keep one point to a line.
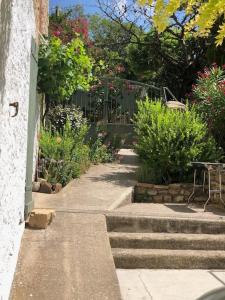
15 36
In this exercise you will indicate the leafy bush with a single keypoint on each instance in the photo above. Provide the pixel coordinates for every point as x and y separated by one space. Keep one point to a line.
58 116
62 69
99 151
209 98
168 140
64 155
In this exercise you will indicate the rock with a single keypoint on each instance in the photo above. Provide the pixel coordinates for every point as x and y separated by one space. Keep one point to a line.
152 192
179 199
145 185
56 187
140 190
36 186
175 186
167 198
41 179
45 187
41 218
161 187
158 199
187 193
174 192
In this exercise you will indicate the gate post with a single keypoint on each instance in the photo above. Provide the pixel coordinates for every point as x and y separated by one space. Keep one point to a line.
105 104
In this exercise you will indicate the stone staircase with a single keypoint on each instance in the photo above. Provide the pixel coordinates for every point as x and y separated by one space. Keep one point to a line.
166 243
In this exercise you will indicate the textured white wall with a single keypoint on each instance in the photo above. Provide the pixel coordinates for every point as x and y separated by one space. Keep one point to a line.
17 26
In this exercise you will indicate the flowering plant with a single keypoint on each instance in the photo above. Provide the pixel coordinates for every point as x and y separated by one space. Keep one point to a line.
209 97
62 25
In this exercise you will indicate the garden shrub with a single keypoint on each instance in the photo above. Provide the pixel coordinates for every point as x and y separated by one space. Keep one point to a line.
65 150
168 140
57 117
64 154
209 98
99 151
63 68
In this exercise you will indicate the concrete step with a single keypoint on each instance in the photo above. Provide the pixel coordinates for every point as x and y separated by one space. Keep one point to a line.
131 223
167 241
168 259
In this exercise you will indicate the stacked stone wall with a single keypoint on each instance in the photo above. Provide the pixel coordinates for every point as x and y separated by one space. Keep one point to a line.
177 192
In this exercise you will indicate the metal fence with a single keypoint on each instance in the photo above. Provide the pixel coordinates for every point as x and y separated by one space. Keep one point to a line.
113 100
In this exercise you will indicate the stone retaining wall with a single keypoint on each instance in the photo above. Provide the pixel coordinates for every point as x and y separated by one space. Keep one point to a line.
177 192
151 193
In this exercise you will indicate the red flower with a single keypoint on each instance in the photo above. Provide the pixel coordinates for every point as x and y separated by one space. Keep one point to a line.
56 33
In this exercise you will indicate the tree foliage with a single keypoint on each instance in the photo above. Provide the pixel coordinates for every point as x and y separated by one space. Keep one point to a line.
63 68
206 15
171 58
166 61
109 46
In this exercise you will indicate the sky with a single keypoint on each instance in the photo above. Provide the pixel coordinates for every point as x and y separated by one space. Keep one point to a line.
90 6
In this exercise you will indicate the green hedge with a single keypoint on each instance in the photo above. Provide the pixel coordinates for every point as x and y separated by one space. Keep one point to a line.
168 140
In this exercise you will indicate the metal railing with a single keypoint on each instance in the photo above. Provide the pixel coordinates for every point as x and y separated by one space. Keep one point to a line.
113 101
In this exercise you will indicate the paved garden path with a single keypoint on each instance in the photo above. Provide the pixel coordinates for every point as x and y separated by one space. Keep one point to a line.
72 259
103 187
143 284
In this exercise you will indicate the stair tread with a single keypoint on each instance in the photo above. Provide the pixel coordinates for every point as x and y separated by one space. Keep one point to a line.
120 215
124 223
166 236
168 259
168 252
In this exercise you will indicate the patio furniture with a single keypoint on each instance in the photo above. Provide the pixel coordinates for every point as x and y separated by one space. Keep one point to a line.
207 168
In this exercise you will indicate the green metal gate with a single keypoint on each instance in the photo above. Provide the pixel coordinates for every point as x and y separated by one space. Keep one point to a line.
31 126
113 100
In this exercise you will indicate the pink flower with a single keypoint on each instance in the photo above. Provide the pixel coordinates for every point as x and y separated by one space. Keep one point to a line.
56 33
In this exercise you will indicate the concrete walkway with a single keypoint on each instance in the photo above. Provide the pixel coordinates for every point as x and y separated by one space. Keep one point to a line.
142 284
103 187
72 259
173 210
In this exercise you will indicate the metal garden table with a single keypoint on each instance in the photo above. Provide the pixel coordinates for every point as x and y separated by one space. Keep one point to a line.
207 168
